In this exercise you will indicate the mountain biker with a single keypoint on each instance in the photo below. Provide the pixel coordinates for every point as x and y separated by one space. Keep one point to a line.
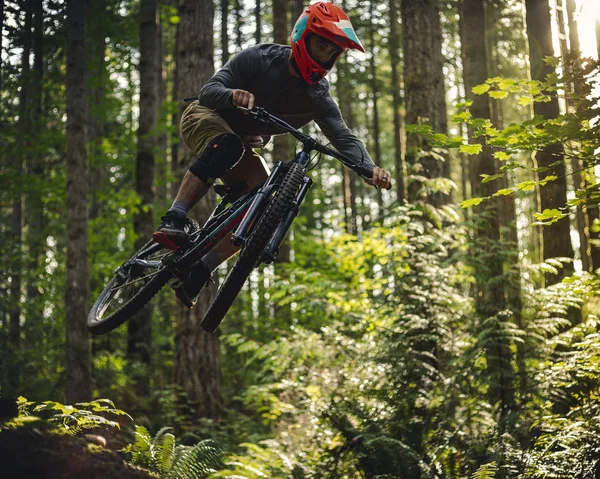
289 82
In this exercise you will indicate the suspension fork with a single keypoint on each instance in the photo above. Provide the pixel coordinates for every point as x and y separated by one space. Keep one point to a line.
239 237
273 247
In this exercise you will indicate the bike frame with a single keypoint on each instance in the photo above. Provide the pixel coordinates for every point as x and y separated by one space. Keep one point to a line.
244 212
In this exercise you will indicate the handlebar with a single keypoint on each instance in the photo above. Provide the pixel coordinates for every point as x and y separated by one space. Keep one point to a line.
260 114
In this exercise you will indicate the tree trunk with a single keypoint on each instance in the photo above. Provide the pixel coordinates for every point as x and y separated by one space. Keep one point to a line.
77 270
197 353
590 256
16 274
348 190
375 94
238 25
297 9
598 37
281 143
97 113
508 215
1 37
224 34
424 90
162 170
139 333
486 254
35 171
175 166
394 48
556 239
258 19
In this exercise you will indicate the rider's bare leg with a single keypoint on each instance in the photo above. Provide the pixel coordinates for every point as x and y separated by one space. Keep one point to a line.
191 190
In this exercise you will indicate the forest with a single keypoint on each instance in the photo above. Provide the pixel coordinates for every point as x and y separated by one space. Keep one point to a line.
445 329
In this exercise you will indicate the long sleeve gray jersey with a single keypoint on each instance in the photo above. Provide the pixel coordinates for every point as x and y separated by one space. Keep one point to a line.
263 71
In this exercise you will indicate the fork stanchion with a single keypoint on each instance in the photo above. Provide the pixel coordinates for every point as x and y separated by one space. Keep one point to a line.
239 237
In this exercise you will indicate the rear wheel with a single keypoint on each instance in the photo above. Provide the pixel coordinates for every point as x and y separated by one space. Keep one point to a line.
133 285
253 250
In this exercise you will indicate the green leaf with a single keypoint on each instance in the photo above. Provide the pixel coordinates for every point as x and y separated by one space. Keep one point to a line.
526 186
506 83
455 142
504 192
502 156
549 214
461 117
498 95
174 20
488 178
471 149
553 61
480 89
471 202
547 179
525 100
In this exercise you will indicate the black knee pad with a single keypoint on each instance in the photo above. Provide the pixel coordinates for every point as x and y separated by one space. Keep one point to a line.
221 154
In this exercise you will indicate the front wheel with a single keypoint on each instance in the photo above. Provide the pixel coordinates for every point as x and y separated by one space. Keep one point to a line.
254 248
133 285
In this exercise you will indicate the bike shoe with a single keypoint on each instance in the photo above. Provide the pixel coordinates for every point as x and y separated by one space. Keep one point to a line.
174 231
189 291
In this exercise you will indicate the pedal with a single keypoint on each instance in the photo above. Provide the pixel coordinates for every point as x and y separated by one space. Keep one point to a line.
164 240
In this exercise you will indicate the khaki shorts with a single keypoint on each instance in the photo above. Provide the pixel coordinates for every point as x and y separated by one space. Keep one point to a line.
199 125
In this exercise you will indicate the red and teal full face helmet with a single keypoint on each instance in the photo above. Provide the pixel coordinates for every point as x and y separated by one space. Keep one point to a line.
328 21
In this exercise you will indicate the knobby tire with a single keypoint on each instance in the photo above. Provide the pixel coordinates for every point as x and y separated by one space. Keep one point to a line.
253 250
132 305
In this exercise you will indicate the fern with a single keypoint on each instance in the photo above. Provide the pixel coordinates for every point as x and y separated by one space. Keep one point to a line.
162 455
75 418
486 471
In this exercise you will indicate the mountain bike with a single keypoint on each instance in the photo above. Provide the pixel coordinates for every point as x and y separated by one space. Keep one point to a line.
259 221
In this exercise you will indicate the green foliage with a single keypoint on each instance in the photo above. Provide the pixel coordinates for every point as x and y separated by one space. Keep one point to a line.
486 471
161 454
261 461
73 419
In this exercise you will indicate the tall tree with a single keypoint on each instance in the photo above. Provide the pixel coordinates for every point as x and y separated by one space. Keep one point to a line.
281 143
139 334
224 33
486 255
424 89
19 159
197 353
258 20
375 97
394 49
35 172
570 57
586 216
597 27
556 238
77 287
97 84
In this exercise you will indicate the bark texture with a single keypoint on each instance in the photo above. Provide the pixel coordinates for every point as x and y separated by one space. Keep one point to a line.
424 91
486 257
556 239
77 269
197 353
